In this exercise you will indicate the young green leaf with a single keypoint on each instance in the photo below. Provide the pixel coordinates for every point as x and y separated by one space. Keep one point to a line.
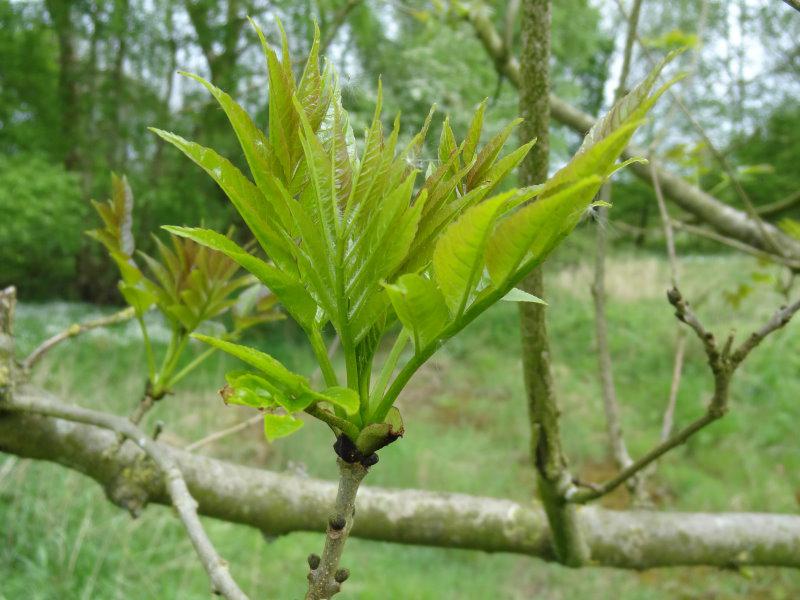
278 426
273 370
420 306
290 291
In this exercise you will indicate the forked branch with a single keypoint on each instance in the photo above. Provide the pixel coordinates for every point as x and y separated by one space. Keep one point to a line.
723 362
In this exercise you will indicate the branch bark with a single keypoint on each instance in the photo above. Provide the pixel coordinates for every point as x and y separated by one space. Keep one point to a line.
277 504
723 218
171 478
325 577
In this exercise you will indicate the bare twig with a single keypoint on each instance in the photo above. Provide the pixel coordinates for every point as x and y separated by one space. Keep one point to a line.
680 348
733 243
779 206
223 433
723 363
666 222
677 370
186 506
604 361
75 330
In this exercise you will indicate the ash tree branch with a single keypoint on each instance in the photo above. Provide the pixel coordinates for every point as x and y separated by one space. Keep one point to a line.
176 487
277 503
792 263
605 365
75 330
723 363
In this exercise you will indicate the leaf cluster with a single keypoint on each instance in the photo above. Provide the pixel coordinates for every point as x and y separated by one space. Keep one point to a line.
187 282
363 239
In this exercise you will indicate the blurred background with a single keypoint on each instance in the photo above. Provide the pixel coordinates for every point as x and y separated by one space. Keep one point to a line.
80 82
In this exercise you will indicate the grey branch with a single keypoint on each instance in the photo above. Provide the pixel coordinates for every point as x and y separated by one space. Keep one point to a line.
173 481
723 363
723 218
277 504
604 360
325 578
75 330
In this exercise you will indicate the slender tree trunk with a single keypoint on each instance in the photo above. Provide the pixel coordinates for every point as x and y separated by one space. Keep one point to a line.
553 477
67 83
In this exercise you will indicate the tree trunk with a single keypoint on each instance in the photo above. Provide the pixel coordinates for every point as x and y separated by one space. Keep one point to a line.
553 477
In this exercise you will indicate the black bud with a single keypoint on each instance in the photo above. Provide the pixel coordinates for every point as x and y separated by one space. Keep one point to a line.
341 575
370 460
337 522
313 561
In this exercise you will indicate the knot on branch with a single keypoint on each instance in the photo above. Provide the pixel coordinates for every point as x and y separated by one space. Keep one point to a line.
133 486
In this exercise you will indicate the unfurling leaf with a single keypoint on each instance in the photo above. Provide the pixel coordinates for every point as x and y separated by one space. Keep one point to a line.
278 426
420 307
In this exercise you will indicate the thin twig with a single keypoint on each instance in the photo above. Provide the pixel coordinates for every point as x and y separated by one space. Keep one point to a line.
723 363
666 222
186 506
779 206
747 248
677 371
75 330
604 361
680 349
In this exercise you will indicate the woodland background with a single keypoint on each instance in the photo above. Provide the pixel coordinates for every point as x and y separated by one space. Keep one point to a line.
81 81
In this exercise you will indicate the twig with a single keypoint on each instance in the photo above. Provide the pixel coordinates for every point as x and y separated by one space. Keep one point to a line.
723 363
677 370
186 506
223 433
774 208
666 222
75 330
325 577
680 349
604 362
747 248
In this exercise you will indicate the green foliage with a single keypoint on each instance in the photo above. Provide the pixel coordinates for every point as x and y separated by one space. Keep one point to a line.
189 283
356 241
42 216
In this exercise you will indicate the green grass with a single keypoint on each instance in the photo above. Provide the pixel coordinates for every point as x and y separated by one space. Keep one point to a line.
466 432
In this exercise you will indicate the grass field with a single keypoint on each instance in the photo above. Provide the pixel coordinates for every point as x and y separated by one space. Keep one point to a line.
466 432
